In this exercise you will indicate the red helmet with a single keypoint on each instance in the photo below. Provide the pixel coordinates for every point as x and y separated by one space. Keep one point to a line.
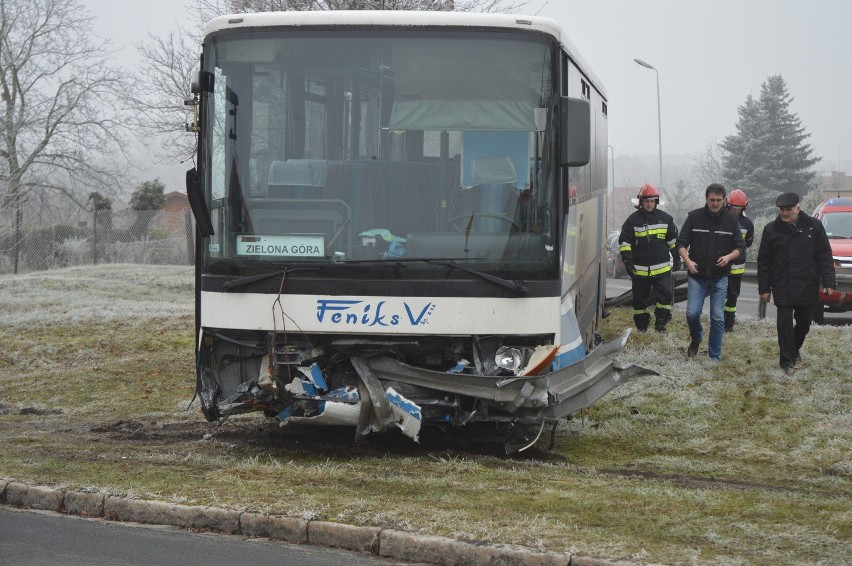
737 198
648 191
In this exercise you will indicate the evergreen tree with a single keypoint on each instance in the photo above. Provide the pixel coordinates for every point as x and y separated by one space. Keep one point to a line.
100 202
768 155
148 198
102 209
742 153
150 195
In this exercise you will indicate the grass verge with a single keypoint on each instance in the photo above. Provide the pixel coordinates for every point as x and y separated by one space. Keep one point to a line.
731 463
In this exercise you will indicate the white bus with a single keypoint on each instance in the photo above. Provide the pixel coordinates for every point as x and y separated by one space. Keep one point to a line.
401 221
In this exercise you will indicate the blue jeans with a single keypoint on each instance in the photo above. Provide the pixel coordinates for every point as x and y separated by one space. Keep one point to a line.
698 288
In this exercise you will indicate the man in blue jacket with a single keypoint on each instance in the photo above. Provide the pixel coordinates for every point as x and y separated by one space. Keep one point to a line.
709 241
794 263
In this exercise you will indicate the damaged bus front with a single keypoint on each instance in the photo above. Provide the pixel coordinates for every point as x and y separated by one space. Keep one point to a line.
401 221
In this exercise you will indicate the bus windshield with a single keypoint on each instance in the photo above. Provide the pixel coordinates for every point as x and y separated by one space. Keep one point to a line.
350 145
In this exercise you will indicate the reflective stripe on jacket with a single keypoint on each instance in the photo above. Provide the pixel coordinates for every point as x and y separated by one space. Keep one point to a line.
647 241
708 237
747 230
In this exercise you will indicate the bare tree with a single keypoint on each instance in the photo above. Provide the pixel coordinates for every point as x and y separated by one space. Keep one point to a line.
707 166
168 62
163 83
59 100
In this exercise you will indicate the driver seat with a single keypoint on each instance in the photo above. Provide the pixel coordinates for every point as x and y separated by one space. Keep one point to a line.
494 191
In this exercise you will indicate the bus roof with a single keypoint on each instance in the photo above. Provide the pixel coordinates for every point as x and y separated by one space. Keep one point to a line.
404 19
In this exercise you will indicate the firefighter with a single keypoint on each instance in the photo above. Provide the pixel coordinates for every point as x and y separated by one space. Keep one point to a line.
737 203
647 243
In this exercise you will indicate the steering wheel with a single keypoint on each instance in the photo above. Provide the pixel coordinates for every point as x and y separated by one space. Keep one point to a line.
456 221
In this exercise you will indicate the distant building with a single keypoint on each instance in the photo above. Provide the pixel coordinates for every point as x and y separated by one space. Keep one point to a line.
171 218
838 184
176 201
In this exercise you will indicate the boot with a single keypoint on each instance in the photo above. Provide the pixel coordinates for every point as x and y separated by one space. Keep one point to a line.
730 317
662 317
642 319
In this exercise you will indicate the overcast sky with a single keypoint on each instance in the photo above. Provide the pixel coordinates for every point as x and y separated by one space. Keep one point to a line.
709 55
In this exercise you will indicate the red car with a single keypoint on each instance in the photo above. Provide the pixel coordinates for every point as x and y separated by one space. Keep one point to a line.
836 215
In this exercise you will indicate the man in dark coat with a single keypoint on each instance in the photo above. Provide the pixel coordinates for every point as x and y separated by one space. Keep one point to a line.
709 241
794 263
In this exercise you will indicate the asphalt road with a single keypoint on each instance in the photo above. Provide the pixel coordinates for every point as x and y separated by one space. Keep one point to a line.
747 303
35 538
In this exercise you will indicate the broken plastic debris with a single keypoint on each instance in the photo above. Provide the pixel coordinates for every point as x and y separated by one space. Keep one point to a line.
407 413
460 366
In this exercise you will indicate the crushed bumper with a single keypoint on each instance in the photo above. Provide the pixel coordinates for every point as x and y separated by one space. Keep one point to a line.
546 397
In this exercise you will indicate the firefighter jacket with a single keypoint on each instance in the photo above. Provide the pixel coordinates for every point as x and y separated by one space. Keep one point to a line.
747 230
647 242
709 237
794 262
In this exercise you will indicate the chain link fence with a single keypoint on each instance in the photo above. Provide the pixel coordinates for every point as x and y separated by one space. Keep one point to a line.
154 237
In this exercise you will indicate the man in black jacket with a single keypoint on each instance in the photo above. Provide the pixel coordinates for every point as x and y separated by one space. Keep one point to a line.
794 262
646 243
709 241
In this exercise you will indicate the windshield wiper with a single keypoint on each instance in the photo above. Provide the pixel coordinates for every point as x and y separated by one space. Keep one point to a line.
518 288
248 280
450 262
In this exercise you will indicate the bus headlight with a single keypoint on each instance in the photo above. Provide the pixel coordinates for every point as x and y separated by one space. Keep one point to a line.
508 358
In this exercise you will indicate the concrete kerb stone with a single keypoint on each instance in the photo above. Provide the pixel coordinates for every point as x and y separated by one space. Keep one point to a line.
400 545
389 543
85 504
215 519
16 493
287 529
359 539
592 561
158 512
44 498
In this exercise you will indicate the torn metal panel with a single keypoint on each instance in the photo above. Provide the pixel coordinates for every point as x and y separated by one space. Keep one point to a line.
332 414
550 396
371 389
344 407
407 413
381 408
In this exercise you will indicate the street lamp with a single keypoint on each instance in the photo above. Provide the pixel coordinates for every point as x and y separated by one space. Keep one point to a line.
659 122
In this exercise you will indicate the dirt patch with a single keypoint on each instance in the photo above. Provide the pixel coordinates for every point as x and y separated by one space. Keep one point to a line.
10 410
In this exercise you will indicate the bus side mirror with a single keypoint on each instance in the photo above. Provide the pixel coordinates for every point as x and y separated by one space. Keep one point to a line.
197 204
575 131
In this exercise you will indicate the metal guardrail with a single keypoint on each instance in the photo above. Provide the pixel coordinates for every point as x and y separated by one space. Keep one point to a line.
679 289
751 274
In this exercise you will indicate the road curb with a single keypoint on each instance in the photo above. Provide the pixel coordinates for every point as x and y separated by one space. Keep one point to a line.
388 543
161 513
338 535
285 529
85 504
400 545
